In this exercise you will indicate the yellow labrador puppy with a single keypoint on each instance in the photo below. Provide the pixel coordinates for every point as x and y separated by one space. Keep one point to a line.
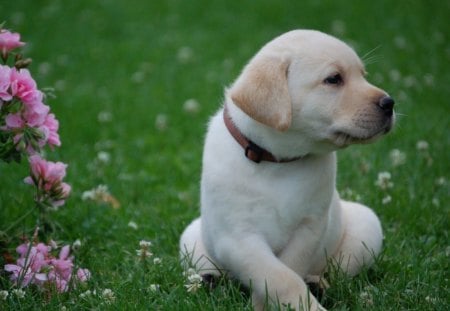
270 213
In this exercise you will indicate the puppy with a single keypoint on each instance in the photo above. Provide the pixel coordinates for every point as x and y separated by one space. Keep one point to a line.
270 213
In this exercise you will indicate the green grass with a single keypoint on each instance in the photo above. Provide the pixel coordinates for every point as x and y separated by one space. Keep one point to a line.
122 59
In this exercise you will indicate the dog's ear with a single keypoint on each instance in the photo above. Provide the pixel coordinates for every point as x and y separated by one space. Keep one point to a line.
262 92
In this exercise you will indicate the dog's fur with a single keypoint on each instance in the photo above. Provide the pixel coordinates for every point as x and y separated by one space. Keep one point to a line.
272 225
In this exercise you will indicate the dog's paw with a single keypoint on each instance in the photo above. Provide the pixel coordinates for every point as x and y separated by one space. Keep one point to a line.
287 303
317 285
210 280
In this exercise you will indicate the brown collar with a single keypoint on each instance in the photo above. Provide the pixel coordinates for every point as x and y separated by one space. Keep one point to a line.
251 150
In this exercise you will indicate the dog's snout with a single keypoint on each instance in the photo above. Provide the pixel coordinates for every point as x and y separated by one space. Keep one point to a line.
386 103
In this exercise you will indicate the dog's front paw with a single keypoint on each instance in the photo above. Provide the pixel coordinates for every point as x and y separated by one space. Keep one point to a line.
287 302
317 285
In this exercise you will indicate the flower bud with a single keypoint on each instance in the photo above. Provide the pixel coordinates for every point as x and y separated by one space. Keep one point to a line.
23 63
21 145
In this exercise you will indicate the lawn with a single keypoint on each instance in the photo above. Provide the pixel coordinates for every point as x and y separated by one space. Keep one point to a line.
135 83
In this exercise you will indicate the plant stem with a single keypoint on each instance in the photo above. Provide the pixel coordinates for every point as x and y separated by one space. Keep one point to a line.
18 220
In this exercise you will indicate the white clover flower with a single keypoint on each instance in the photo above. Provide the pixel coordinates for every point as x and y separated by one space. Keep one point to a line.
76 245
193 287
101 195
400 42
195 278
44 68
103 157
384 180
96 193
161 122
86 294
108 296
185 54
104 116
349 194
194 283
431 299
410 81
228 63
53 244
184 196
338 27
145 244
397 157
441 181
154 288
143 253
87 195
60 85
4 294
191 106
395 75
157 261
133 225
19 293
386 200
422 145
428 79
138 77
366 298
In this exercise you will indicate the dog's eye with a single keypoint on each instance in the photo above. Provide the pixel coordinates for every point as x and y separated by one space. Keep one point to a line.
334 79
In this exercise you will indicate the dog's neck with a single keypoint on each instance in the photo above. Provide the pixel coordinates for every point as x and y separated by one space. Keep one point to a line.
252 151
256 147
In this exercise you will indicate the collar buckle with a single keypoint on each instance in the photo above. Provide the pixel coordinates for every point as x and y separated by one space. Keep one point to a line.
254 152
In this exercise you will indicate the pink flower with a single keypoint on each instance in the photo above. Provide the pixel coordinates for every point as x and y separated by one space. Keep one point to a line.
18 272
24 87
9 41
30 122
50 129
35 114
36 265
64 253
61 284
64 193
56 171
30 264
43 249
47 176
14 121
62 268
22 249
46 171
38 169
5 82
83 275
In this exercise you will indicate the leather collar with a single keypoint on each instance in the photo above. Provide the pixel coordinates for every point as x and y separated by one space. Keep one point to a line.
252 151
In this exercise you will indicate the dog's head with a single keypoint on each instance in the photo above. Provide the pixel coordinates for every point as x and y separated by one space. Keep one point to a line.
313 83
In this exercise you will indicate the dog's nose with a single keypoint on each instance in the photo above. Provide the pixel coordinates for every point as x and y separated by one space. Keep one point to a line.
386 103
